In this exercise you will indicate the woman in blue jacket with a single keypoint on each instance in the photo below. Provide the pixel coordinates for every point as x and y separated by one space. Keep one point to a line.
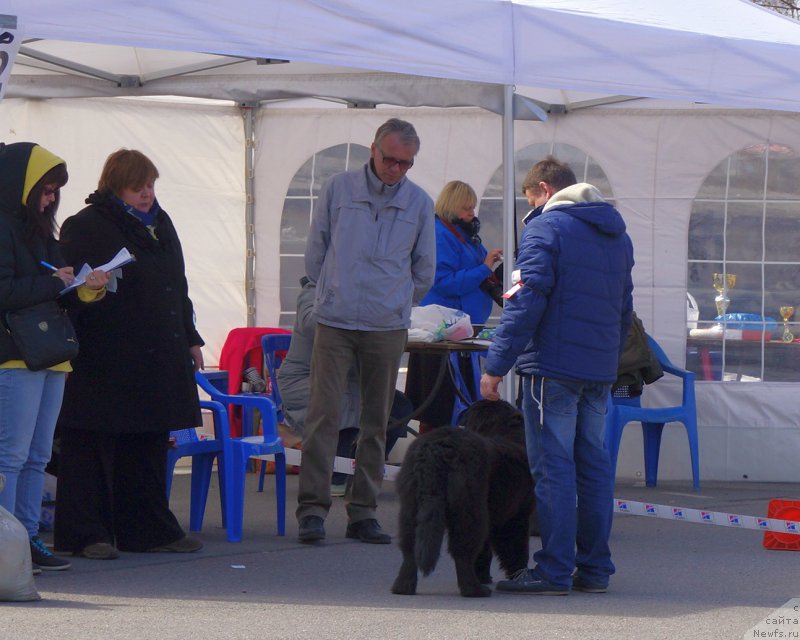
462 265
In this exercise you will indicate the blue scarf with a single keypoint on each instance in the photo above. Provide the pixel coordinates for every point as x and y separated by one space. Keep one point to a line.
147 218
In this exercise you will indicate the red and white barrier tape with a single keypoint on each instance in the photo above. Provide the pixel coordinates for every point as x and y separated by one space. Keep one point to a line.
700 516
628 507
340 465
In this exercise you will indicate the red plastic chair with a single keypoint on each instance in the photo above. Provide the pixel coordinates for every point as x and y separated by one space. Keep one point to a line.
242 349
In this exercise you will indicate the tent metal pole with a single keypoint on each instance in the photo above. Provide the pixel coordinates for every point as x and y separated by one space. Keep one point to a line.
248 111
508 390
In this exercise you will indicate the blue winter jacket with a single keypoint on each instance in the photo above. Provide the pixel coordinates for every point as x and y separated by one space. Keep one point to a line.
570 318
459 272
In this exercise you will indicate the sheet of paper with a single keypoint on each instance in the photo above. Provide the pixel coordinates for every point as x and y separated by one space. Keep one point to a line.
122 258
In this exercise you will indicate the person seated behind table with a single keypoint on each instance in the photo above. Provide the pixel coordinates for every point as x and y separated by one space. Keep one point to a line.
463 269
293 380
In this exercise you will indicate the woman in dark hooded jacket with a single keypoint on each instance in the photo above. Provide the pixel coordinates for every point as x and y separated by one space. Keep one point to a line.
32 271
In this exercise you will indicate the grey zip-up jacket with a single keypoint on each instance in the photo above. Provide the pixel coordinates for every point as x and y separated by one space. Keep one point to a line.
371 250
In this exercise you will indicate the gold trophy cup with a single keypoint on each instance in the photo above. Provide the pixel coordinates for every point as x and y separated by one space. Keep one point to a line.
722 283
787 311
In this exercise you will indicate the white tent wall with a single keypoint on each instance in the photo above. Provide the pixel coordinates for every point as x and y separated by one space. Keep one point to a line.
462 143
724 52
199 152
656 160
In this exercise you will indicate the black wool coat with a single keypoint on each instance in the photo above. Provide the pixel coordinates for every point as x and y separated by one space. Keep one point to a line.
134 372
23 281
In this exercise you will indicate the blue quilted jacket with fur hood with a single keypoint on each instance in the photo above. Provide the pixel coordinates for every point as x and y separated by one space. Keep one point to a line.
570 318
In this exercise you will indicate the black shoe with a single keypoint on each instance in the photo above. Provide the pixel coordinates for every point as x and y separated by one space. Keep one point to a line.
581 583
527 581
367 531
312 529
42 556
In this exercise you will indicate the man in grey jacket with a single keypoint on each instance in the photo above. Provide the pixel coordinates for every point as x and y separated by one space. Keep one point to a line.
372 252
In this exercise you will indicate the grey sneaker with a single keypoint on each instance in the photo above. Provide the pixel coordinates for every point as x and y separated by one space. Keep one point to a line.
527 581
581 583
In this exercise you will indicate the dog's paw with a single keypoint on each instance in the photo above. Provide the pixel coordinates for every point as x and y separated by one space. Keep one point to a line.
481 592
403 588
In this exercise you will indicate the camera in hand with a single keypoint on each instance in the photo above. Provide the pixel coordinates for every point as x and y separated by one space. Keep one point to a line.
493 285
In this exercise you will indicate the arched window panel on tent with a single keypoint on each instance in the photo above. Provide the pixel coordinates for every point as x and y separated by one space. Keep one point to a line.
298 208
490 210
744 269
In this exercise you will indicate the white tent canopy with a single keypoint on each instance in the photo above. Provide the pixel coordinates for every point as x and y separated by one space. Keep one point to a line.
726 52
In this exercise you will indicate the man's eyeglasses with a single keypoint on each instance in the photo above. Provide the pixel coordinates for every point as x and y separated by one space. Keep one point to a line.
389 162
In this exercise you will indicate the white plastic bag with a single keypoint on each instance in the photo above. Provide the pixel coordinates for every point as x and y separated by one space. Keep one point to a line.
16 577
434 322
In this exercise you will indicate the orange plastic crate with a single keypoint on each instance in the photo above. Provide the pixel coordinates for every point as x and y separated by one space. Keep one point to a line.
783 510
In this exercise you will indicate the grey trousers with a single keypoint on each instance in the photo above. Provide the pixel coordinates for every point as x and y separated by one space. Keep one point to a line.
377 354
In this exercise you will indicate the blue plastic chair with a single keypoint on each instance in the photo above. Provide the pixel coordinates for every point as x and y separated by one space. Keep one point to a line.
273 346
238 450
621 411
203 453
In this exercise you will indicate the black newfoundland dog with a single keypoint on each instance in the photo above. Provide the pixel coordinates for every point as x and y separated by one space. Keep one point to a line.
475 484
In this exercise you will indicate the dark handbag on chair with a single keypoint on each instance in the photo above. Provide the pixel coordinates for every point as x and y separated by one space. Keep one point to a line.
43 334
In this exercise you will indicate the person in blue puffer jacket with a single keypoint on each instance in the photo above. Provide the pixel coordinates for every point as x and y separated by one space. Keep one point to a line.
564 329
462 265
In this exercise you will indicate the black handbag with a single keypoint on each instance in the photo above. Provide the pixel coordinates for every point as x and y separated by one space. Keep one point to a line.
43 334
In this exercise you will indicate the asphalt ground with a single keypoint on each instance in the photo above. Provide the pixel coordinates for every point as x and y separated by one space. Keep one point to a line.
674 580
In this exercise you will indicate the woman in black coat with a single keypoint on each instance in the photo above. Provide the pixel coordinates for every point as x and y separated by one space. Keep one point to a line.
133 381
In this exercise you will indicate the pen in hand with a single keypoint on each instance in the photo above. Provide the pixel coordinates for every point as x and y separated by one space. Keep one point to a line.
64 274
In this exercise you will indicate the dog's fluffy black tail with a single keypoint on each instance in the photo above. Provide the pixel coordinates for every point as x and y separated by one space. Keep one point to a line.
431 508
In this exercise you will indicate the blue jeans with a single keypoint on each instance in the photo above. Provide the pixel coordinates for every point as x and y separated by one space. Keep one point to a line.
29 405
564 427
